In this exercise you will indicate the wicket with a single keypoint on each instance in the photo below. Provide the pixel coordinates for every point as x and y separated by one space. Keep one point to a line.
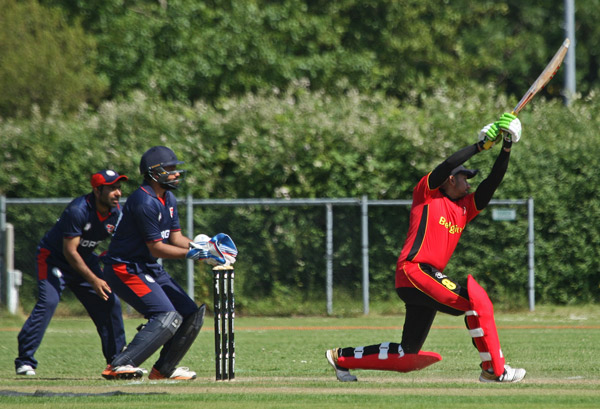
224 307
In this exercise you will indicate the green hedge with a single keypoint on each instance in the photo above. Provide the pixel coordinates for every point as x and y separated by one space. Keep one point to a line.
305 144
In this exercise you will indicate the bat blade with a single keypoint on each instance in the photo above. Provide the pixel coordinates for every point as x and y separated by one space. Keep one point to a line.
544 77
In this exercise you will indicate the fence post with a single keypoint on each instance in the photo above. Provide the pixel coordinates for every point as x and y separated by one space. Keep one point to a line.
13 277
531 257
3 269
190 233
329 258
365 253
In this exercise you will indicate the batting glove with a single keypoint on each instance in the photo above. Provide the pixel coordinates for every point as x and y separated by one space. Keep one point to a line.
488 136
511 125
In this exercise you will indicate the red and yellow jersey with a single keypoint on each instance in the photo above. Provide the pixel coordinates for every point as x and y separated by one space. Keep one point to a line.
435 226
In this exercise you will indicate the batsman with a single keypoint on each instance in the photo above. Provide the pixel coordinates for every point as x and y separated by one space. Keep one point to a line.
442 206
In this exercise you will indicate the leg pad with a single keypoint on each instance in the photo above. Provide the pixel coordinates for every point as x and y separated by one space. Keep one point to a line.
482 327
388 357
150 337
174 350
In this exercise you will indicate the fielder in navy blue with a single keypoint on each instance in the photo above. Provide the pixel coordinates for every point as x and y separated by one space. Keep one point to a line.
149 230
66 258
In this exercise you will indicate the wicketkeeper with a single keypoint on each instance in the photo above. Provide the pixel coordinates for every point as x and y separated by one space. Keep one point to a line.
441 208
149 230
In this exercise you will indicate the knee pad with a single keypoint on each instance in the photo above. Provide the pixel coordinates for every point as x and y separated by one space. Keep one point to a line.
151 336
387 356
482 327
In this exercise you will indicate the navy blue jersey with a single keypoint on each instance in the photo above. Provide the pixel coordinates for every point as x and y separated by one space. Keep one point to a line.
146 218
80 219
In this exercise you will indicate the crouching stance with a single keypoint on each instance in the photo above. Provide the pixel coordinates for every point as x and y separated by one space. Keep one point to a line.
442 207
148 230
66 258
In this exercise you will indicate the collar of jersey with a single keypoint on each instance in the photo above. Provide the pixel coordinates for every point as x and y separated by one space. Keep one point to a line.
148 189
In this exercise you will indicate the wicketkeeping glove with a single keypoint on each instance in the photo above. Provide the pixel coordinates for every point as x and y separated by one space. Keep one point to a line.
198 248
222 249
489 135
511 125
217 251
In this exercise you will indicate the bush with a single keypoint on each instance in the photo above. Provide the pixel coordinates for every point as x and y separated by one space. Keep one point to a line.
302 144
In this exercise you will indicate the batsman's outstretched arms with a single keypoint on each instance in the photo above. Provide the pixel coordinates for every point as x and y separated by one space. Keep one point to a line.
507 129
439 175
488 186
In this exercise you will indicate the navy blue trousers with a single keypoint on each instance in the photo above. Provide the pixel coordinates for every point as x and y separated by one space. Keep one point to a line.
52 281
149 289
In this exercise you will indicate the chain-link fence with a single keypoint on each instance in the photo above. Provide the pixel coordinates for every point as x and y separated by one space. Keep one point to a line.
285 244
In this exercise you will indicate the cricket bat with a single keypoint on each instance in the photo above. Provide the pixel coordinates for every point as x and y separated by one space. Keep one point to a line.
544 77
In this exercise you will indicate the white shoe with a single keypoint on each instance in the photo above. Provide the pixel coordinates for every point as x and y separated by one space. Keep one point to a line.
122 372
181 373
510 375
342 374
26 370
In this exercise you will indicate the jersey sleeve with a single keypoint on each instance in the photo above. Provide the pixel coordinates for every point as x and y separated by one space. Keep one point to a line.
422 192
469 204
72 222
147 219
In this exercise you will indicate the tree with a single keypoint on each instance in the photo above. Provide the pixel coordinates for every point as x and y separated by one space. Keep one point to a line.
45 62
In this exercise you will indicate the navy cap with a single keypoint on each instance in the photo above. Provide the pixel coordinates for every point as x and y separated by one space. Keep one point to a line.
106 177
158 156
461 169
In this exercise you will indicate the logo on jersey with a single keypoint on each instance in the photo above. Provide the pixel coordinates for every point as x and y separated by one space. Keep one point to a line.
89 243
110 228
87 227
171 211
149 278
159 217
452 228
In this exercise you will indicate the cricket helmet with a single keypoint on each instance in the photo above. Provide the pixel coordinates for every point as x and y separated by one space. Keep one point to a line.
153 164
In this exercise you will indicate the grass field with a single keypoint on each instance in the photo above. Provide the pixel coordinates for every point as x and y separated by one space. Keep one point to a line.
280 364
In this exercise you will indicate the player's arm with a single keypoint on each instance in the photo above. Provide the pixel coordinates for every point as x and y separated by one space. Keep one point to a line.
74 259
176 238
511 126
442 171
488 136
159 249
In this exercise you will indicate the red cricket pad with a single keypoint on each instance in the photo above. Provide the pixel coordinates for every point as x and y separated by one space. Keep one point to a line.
480 303
406 363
